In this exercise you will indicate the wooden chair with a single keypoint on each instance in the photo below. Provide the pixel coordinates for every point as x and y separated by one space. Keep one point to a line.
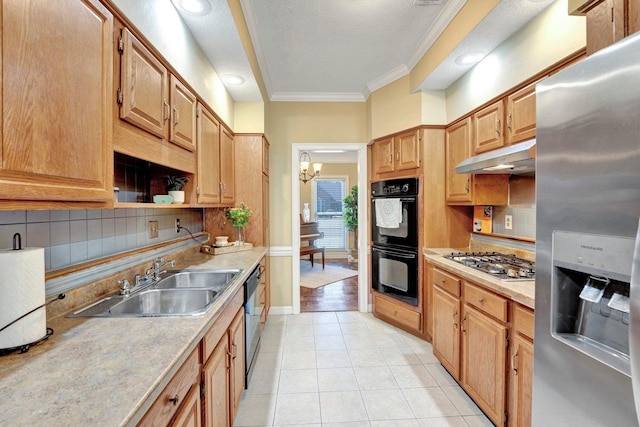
309 233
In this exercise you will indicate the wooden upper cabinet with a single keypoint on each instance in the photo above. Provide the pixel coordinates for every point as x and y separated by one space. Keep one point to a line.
407 147
57 80
609 21
521 115
457 148
265 156
143 94
182 130
227 165
383 156
487 126
208 157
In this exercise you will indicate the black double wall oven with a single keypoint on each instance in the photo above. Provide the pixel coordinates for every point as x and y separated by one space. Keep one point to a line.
394 232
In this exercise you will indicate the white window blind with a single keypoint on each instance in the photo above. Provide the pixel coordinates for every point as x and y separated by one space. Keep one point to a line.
329 193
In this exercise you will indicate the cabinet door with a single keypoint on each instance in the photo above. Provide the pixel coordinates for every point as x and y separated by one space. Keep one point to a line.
227 165
208 157
605 24
217 384
458 148
383 156
521 382
446 331
182 130
487 125
265 156
57 79
484 352
144 87
407 146
236 337
189 414
521 115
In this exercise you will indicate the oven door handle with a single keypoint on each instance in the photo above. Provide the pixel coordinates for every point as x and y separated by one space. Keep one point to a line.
396 254
402 199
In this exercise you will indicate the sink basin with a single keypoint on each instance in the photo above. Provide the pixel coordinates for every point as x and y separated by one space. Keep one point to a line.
211 279
178 293
166 302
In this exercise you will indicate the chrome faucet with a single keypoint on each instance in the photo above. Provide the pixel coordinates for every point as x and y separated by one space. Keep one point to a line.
151 276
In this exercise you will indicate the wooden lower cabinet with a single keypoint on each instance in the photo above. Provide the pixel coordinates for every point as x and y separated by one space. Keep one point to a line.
190 414
521 372
446 330
484 355
397 314
224 369
175 401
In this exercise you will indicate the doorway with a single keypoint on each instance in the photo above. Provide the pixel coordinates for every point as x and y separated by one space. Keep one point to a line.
349 293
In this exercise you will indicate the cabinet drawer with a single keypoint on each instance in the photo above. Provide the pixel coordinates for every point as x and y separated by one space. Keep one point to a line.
486 301
523 320
399 314
446 281
174 394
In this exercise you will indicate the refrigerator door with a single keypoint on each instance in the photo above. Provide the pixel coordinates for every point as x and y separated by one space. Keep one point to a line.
634 327
587 182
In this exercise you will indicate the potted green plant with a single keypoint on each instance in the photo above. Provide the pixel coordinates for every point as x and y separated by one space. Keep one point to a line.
350 218
174 185
239 218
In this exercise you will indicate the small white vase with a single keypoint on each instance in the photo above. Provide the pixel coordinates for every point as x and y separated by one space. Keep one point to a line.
306 213
178 197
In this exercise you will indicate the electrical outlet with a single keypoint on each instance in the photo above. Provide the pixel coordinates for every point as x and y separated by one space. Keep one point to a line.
177 225
154 229
508 222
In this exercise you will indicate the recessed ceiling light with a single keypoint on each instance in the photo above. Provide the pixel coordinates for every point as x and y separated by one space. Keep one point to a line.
232 79
469 58
195 7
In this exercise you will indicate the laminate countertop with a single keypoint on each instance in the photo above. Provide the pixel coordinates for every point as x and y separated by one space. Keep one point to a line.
522 292
108 371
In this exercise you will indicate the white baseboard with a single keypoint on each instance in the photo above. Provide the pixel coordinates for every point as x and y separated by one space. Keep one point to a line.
286 309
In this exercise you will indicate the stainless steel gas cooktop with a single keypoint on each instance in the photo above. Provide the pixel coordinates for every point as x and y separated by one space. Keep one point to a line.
505 267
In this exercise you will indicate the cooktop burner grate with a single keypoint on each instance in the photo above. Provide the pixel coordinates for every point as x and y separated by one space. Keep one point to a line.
505 267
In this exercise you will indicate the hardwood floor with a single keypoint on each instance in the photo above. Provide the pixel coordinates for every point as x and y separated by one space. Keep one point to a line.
337 296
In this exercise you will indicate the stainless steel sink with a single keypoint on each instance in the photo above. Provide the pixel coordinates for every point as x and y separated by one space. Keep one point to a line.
211 279
177 293
166 302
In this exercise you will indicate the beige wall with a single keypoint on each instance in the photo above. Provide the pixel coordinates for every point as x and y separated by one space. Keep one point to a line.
249 117
395 108
161 24
299 122
550 37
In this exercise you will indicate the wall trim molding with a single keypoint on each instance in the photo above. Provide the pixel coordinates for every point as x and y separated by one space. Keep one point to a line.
279 310
280 251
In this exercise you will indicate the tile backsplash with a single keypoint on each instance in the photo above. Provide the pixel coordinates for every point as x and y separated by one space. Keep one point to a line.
523 221
74 236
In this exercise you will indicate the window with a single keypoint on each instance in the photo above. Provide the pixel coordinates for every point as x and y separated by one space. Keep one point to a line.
328 195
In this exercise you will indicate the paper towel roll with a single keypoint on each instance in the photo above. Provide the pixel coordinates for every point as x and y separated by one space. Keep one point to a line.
22 290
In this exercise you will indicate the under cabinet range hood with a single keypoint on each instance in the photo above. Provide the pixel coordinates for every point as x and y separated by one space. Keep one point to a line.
514 159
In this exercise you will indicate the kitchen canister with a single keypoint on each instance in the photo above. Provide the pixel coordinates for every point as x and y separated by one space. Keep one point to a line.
21 291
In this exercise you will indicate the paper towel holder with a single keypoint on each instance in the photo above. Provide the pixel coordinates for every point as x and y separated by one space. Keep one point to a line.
25 347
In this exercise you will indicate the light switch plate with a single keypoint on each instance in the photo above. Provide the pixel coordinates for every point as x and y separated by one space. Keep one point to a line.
153 229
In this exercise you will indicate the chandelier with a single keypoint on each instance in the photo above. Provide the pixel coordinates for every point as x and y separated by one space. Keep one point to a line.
305 161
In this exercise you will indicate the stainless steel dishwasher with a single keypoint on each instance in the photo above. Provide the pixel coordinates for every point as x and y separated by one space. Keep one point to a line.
252 313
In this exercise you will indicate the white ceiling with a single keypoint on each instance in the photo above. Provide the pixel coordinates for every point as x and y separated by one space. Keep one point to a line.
342 50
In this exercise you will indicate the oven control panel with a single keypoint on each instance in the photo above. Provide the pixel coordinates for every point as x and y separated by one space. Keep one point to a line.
398 187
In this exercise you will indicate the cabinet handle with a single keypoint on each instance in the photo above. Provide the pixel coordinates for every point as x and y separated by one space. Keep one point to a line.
466 185
397 156
234 352
509 122
481 300
514 362
174 400
165 111
455 320
390 158
498 126
223 187
462 326
176 116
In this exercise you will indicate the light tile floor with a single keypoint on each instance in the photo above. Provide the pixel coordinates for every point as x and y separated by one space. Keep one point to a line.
350 369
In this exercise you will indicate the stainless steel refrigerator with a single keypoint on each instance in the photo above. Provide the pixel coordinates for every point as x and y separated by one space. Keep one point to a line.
587 308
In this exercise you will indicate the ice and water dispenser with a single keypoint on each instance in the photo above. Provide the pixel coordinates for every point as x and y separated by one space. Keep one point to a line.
590 284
